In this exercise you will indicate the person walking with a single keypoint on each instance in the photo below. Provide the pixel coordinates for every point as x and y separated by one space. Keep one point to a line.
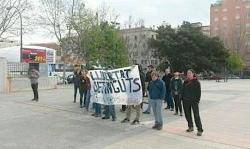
191 94
34 76
148 80
157 90
176 88
167 79
76 80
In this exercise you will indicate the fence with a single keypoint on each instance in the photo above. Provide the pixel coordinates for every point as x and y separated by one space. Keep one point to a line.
18 78
17 70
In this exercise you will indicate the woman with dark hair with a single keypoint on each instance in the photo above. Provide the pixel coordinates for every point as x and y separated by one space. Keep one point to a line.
191 95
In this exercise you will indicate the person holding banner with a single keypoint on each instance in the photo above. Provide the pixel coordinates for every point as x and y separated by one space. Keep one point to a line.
157 91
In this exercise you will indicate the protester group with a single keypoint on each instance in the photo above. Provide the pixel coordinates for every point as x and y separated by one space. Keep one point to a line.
180 91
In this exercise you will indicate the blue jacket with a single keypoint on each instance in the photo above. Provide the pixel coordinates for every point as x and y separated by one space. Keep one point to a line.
157 89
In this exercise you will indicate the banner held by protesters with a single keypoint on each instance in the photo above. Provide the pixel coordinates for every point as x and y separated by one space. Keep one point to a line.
115 87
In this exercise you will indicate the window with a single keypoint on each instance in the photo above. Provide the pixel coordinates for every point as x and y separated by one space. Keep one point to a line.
237 17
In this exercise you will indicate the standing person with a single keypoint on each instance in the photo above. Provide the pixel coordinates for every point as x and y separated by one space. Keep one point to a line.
76 80
176 88
191 95
148 80
33 76
143 78
157 90
136 107
82 88
87 88
167 79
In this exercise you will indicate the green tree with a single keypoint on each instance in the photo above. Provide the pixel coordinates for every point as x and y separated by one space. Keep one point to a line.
235 62
105 47
187 47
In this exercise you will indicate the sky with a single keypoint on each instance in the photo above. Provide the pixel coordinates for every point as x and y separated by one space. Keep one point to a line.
153 12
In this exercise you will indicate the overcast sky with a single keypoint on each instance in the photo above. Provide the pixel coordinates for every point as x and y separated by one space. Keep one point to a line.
154 12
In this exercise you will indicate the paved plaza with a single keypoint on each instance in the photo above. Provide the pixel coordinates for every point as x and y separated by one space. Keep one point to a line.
55 122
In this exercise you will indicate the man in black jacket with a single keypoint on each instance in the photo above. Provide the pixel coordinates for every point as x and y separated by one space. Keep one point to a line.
167 79
191 95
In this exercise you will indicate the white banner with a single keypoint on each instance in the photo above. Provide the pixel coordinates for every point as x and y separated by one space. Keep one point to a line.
115 87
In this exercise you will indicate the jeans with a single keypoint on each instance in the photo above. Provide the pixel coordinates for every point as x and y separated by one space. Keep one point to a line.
157 110
86 98
169 99
110 110
98 108
35 90
149 105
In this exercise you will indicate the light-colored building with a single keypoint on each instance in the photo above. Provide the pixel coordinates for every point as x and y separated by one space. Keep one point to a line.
230 20
137 43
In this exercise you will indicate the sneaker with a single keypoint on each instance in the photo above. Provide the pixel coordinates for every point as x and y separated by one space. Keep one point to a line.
135 122
181 114
74 101
146 112
113 119
33 99
93 114
155 126
125 120
190 129
159 127
175 113
105 118
199 133
167 108
172 109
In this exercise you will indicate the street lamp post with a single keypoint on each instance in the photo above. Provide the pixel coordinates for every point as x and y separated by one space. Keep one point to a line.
21 29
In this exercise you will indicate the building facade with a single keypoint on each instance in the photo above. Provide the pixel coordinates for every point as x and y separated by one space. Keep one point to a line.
137 43
230 20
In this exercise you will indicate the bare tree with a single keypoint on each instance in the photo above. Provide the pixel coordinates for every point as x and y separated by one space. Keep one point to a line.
10 11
